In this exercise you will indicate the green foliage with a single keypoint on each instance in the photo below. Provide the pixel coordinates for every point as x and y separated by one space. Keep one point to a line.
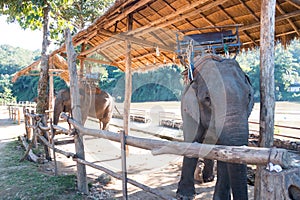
13 59
72 14
163 84
286 71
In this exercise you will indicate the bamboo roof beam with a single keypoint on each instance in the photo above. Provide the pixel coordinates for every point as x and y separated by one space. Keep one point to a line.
208 21
125 13
249 10
295 3
123 37
168 17
276 36
233 20
160 23
277 19
98 61
289 20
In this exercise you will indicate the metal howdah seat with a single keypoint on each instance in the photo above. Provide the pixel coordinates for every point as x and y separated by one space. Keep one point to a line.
224 42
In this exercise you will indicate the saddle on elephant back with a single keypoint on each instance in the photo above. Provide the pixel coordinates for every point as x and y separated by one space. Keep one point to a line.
190 45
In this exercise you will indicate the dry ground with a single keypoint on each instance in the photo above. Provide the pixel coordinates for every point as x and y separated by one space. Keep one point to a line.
160 172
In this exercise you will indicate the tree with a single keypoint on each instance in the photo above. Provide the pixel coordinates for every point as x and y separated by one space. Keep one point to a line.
35 15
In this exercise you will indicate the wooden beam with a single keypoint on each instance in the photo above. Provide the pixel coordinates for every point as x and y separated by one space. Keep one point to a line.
102 45
289 21
295 3
277 19
128 78
276 36
177 16
249 10
101 62
233 154
165 19
267 85
126 36
76 112
125 13
233 20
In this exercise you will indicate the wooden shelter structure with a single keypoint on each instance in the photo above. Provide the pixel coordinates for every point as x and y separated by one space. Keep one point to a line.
138 35
156 22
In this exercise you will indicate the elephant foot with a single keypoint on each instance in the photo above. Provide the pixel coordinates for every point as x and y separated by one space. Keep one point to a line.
184 197
209 179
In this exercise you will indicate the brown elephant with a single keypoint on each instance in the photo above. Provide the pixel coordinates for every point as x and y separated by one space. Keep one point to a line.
215 109
94 103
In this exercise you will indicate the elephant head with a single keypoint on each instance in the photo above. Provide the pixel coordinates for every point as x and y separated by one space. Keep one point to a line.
62 104
215 109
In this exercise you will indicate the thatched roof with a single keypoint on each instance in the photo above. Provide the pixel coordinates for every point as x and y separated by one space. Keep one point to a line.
156 22
57 65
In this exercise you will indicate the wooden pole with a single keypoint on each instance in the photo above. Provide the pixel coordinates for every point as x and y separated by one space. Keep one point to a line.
128 79
124 167
51 92
76 111
267 92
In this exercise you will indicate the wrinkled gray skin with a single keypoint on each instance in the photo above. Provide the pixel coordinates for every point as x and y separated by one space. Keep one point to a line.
217 105
97 105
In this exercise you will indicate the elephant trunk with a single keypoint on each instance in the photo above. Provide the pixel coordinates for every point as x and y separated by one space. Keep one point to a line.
58 107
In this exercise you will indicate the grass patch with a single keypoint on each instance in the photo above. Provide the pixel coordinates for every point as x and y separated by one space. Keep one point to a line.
23 180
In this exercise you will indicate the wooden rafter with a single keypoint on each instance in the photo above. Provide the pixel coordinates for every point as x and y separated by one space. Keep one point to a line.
124 37
125 13
295 3
180 17
165 19
233 20
289 20
276 36
249 10
277 19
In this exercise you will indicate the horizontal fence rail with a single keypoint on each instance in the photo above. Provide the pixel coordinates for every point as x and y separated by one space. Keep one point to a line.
249 155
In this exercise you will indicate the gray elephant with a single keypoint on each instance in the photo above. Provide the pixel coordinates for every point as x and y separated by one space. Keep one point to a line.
94 103
215 109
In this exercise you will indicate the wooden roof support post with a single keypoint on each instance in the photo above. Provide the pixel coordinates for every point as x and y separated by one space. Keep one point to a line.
76 111
51 93
81 62
128 79
267 91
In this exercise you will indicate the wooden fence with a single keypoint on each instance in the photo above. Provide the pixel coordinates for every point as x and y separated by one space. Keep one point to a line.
15 110
234 154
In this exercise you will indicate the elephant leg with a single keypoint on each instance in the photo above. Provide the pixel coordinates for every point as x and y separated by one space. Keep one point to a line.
238 180
208 171
222 188
186 188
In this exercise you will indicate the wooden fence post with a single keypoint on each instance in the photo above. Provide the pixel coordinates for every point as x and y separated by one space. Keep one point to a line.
76 111
267 92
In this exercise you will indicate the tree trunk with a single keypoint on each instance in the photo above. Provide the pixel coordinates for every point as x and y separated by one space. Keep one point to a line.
42 101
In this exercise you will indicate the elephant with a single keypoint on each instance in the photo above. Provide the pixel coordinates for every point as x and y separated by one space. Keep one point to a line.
215 107
94 103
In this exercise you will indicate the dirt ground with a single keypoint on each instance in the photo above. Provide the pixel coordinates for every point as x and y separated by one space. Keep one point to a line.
159 172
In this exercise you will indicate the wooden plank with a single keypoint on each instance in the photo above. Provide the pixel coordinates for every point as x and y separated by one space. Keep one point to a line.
267 85
76 111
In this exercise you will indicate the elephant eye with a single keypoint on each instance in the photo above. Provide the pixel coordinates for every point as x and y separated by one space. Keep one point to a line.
207 99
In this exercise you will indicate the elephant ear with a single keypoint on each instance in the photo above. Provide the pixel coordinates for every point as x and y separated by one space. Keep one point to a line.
190 114
250 95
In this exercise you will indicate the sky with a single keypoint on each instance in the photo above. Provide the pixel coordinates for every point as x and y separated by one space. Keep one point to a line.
13 35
